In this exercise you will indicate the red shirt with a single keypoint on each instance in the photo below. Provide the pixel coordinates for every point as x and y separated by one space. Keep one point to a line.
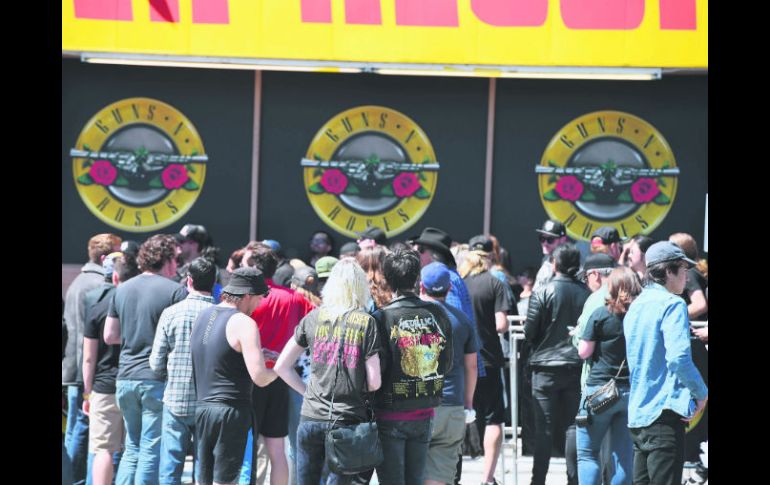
278 315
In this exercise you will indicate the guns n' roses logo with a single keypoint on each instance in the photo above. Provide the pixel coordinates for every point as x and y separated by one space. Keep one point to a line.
139 164
607 168
370 166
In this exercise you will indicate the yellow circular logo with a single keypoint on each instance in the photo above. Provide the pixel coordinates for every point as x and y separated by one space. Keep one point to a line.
370 166
139 164
607 168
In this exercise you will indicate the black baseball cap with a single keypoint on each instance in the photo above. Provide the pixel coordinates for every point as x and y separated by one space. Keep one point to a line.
608 234
374 233
553 228
481 243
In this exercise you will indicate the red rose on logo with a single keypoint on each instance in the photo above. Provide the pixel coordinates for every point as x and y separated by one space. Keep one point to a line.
103 173
174 176
569 188
644 190
334 181
405 185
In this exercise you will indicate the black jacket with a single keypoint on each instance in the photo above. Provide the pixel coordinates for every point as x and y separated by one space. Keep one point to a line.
417 354
552 309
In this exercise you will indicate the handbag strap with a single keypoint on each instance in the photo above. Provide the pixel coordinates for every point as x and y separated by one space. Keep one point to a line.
620 369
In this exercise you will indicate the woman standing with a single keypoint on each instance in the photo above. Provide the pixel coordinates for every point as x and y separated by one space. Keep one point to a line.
344 345
604 343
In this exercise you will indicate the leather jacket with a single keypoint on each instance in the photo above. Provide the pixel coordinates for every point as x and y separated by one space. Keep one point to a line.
552 309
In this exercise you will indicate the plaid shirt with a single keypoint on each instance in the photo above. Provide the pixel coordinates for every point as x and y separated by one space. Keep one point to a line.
171 352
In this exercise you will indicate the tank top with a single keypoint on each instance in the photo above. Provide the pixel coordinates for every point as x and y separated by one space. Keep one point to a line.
219 371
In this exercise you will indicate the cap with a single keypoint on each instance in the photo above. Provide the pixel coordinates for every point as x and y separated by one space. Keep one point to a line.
274 245
481 243
552 228
597 261
350 248
608 234
109 263
324 266
375 233
246 281
193 232
665 251
435 277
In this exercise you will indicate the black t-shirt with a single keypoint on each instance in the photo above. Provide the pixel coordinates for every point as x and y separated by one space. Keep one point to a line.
107 356
488 296
138 303
606 329
695 281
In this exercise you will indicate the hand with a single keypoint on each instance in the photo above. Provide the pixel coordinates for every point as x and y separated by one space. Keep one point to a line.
87 407
699 405
702 333
470 416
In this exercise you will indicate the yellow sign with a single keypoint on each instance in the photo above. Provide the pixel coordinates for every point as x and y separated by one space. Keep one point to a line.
370 166
139 164
620 33
607 168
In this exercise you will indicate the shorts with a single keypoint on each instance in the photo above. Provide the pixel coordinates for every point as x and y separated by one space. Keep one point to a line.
221 431
271 409
488 398
445 444
106 424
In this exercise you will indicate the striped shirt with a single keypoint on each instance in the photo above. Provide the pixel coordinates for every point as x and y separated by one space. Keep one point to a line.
171 352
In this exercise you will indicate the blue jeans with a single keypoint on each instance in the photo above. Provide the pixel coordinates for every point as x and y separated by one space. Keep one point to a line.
248 459
405 446
614 420
176 439
76 435
310 455
141 403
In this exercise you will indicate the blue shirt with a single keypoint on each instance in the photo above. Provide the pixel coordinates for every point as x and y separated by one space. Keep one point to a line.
663 376
464 341
459 297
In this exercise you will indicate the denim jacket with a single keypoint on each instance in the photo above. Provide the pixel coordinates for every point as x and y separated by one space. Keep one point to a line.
663 376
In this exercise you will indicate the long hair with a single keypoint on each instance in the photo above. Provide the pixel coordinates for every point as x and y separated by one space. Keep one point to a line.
371 261
474 263
346 289
623 286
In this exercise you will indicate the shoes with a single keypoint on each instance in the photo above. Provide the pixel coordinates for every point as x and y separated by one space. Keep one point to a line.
493 482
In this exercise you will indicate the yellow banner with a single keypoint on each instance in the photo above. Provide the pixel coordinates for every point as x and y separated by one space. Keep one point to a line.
612 33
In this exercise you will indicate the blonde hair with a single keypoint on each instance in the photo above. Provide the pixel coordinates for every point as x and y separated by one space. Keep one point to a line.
346 289
474 263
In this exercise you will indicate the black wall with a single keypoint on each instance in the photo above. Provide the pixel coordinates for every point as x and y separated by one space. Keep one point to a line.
219 103
529 113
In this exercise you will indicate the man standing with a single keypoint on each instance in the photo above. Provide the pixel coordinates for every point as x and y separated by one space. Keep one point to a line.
132 319
100 367
171 356
606 239
459 384
91 276
666 387
551 236
276 316
227 360
417 338
555 362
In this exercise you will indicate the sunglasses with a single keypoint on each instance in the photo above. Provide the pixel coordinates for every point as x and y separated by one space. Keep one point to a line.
547 239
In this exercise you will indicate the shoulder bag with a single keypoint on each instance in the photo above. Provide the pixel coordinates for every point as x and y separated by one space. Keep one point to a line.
351 448
604 397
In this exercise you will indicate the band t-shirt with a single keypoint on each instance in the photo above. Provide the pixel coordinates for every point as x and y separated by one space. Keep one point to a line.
606 329
354 333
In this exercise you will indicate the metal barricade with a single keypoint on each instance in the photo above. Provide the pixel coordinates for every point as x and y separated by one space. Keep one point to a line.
515 333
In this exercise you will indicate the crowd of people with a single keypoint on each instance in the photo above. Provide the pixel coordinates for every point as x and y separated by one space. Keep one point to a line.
168 354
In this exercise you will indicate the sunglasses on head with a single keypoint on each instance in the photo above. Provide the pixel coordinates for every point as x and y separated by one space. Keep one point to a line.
547 239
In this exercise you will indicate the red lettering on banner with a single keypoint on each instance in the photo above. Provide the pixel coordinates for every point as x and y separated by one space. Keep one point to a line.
210 12
511 13
318 11
164 10
677 15
104 9
602 14
427 13
365 12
